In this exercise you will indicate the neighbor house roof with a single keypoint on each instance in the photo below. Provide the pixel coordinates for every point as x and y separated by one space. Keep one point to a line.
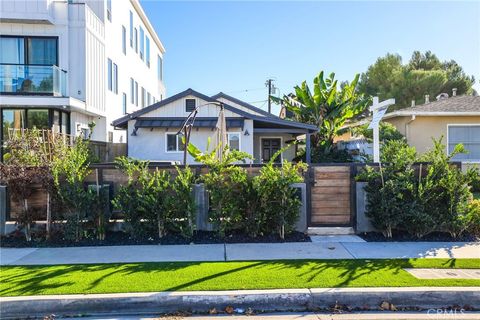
454 106
264 118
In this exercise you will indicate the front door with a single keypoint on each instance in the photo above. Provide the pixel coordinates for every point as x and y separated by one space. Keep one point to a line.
269 148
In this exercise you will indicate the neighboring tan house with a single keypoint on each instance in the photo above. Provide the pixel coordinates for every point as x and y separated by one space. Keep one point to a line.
457 119
153 131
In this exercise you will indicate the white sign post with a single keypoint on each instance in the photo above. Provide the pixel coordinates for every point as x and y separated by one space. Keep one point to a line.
378 110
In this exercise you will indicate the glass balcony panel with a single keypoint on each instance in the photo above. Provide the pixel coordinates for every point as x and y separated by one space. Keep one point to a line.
31 79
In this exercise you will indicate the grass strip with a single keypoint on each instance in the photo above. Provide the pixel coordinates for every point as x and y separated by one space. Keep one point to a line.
178 276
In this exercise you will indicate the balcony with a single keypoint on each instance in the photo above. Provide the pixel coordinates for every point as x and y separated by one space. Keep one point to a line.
21 79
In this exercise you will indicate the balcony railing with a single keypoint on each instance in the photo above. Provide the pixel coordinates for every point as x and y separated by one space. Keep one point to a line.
22 79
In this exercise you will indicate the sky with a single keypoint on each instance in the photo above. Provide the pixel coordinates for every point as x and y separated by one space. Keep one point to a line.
235 47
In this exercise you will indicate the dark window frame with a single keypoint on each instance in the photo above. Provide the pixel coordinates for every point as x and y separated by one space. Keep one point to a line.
25 49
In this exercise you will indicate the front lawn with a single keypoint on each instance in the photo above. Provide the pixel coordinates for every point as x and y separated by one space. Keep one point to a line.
143 277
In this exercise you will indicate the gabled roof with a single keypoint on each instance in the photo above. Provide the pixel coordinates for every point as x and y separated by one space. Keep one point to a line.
267 118
454 106
243 104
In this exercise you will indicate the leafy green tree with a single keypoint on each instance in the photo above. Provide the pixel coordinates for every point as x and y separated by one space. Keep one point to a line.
423 74
387 130
329 107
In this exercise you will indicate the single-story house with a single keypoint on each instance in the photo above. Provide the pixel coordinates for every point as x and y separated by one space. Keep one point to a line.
456 118
153 131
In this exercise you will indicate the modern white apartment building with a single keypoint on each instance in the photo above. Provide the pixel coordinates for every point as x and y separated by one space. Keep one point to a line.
65 63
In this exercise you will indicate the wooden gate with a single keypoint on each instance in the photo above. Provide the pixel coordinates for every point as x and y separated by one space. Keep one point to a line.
332 195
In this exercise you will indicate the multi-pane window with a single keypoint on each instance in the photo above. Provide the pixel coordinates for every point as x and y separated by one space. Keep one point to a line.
190 105
109 10
124 103
174 142
469 136
147 51
234 140
132 91
115 78
29 50
159 68
124 40
131 29
142 43
109 74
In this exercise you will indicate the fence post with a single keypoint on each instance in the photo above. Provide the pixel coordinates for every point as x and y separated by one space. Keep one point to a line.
3 209
201 208
301 224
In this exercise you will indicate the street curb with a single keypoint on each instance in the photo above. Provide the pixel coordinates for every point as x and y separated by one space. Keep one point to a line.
265 300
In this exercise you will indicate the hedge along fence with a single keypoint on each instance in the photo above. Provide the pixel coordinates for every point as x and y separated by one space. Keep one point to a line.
112 179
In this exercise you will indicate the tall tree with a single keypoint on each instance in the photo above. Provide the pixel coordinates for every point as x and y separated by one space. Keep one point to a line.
329 107
423 74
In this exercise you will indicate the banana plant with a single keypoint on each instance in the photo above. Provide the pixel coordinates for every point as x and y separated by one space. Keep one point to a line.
329 107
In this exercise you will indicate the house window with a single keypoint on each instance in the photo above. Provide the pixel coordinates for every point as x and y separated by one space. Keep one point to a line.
109 10
110 136
29 50
175 142
469 136
136 93
190 105
42 51
124 103
149 98
142 43
131 29
147 51
109 74
135 39
144 100
234 140
115 78
159 68
132 91
124 40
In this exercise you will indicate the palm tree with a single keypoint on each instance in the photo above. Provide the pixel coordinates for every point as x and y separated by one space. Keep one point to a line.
330 106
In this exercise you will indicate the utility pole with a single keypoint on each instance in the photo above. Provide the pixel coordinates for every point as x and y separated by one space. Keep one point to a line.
271 89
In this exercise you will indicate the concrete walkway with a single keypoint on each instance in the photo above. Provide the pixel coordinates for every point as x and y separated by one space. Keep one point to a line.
320 249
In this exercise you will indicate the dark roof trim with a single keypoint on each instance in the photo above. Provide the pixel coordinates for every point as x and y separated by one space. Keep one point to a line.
121 122
177 122
244 104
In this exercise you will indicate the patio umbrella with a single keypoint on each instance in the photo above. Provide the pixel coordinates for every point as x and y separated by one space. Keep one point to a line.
220 137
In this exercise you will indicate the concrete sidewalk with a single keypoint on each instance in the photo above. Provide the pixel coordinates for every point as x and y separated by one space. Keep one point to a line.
239 252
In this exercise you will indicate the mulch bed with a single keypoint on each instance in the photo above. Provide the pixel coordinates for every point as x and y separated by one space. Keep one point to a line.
404 236
119 238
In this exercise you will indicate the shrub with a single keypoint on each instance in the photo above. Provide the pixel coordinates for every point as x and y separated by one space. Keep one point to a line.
279 203
474 217
418 198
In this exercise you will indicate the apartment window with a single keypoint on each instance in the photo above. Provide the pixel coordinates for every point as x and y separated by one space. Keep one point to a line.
136 93
115 78
29 50
149 98
135 39
234 140
131 29
124 40
124 103
190 105
109 10
159 68
469 136
147 51
109 74
110 136
142 43
132 91
143 97
174 142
